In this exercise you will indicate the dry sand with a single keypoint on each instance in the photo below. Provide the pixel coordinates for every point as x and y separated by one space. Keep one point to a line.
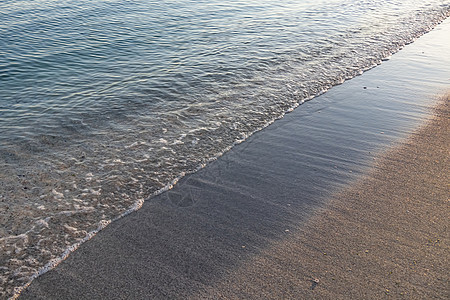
384 237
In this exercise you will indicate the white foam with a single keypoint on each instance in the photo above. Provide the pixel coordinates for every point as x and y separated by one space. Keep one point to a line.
56 261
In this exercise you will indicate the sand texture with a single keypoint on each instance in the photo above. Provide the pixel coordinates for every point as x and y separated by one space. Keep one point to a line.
385 237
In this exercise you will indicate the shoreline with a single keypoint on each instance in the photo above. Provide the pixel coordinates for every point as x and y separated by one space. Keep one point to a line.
384 236
187 240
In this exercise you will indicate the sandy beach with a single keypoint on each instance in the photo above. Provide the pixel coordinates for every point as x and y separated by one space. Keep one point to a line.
384 237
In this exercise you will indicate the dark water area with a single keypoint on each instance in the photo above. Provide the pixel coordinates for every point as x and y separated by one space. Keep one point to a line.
105 103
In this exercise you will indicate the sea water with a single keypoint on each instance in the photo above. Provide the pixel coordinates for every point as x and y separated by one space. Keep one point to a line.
104 103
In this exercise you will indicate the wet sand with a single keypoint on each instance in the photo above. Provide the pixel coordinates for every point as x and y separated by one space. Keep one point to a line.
387 236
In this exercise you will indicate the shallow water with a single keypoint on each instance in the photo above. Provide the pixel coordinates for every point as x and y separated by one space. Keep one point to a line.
104 103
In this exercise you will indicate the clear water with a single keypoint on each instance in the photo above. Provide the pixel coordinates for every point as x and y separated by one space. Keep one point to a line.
104 103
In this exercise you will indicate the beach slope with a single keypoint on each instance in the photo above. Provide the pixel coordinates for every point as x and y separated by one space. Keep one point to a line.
385 236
